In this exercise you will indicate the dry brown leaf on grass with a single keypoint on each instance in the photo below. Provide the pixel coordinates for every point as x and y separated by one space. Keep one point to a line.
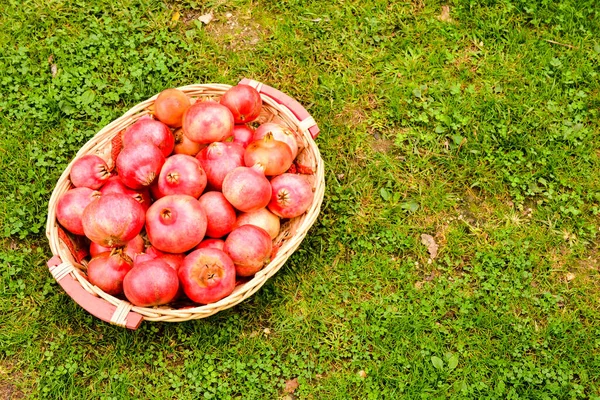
291 385
445 14
53 66
432 246
206 18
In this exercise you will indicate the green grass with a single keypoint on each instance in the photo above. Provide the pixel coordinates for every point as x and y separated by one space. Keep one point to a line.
481 131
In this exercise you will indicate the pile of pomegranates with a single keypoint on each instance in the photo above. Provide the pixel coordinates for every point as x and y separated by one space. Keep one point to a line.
194 201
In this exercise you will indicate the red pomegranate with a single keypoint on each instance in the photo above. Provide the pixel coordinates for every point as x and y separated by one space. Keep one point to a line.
243 135
207 122
143 257
279 132
107 271
115 185
151 283
148 130
211 243
273 155
247 189
70 206
291 195
89 171
218 159
250 249
131 249
244 102
183 145
207 275
220 214
139 164
170 105
181 174
175 223
262 218
113 220
174 260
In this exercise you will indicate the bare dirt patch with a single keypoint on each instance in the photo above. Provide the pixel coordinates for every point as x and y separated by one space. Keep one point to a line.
445 15
9 391
236 31
382 145
417 6
352 114
357 113
467 57
8 377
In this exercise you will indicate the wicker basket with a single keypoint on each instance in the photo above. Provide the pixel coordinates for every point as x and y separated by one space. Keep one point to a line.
68 264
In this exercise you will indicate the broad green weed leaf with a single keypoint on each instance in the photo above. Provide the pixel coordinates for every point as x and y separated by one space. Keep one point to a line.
411 206
437 362
457 139
452 362
384 194
87 97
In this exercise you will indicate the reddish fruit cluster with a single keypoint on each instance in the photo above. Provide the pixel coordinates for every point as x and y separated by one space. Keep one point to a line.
196 199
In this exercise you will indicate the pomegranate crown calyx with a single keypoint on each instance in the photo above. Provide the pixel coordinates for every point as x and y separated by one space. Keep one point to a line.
259 167
168 216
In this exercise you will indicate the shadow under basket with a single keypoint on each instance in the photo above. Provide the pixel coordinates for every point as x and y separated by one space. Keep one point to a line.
70 253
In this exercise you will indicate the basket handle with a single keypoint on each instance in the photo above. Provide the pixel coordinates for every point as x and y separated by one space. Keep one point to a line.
96 306
306 120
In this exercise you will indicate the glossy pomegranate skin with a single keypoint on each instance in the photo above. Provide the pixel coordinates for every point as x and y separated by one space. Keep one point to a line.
181 174
173 259
263 218
143 257
211 243
291 195
247 189
244 102
89 171
131 249
279 132
115 185
207 275
218 159
70 206
170 105
176 223
220 214
139 164
243 135
107 271
207 122
148 130
274 155
151 283
113 220
183 145
250 249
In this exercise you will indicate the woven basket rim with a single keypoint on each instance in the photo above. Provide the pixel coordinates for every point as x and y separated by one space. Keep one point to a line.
102 141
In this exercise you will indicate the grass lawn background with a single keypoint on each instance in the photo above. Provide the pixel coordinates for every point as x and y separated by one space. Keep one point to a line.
476 124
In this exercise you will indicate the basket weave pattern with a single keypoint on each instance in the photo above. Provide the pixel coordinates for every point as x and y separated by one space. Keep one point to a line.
292 231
